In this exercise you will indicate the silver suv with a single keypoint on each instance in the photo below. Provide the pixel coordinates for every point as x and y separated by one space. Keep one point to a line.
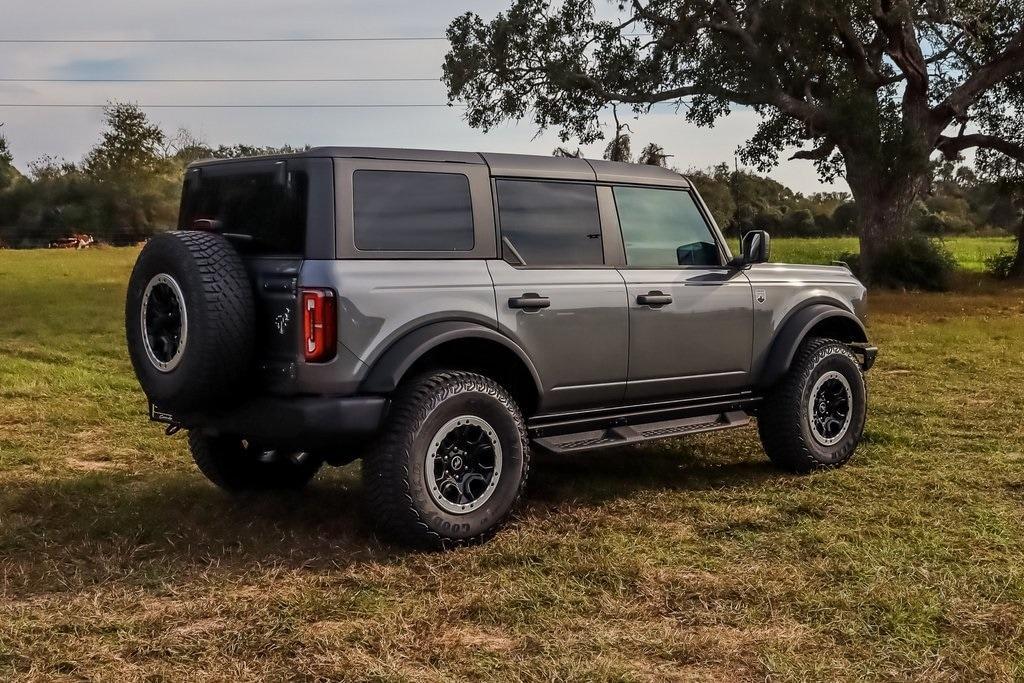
442 314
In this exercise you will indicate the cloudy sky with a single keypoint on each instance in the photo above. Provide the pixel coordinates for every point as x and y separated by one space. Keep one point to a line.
69 132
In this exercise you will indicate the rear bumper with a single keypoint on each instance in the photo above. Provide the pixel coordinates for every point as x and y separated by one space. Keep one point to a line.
294 419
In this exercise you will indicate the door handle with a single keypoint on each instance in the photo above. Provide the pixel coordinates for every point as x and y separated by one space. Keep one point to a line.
654 299
529 302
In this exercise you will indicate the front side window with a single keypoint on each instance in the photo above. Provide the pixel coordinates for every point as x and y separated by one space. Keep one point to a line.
412 211
549 224
664 229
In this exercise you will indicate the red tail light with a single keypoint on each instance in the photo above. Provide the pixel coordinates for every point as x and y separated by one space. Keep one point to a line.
319 325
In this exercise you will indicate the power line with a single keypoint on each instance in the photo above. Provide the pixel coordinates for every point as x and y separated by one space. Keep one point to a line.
221 80
185 41
399 105
114 41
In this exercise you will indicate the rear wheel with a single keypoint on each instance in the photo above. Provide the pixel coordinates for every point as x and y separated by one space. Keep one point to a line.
452 463
814 417
236 464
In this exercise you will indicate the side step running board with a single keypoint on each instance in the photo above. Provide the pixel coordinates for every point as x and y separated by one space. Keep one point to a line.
628 434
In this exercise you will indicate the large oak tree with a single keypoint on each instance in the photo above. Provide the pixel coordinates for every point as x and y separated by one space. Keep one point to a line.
874 90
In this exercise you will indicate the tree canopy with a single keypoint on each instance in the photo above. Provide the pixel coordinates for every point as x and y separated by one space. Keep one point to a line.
871 89
126 188
8 174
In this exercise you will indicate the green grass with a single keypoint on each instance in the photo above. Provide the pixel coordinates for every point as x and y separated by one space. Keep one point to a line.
970 252
691 559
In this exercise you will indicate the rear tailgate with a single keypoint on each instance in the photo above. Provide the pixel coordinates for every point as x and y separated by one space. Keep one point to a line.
268 211
278 319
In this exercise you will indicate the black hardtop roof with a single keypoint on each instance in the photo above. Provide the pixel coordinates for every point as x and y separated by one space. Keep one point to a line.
500 165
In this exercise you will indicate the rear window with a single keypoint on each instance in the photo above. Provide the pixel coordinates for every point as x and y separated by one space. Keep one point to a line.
260 214
412 211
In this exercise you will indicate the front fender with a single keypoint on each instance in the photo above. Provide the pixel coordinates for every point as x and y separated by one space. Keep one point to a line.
793 332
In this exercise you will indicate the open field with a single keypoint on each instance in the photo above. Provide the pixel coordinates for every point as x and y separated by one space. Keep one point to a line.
970 252
682 561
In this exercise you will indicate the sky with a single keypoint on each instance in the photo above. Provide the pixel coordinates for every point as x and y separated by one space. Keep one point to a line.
69 133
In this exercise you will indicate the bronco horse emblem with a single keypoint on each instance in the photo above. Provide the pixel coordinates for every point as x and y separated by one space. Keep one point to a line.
282 320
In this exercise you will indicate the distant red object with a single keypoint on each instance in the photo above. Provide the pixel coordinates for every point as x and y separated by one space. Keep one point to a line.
74 242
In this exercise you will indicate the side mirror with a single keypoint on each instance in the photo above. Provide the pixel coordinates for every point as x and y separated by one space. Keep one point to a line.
756 247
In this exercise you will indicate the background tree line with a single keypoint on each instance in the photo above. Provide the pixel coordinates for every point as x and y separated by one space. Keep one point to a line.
126 188
958 201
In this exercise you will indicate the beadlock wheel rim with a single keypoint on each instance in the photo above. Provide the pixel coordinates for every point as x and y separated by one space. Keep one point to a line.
463 464
830 408
164 322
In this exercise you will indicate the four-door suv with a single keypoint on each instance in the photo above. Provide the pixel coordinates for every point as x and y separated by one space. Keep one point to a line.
440 314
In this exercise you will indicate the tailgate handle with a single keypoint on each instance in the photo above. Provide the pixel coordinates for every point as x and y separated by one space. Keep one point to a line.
285 285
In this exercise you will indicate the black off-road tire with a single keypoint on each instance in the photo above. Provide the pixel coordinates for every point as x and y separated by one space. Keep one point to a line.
399 501
217 355
783 421
234 465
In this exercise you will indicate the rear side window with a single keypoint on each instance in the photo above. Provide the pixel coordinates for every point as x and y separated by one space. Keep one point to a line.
259 213
664 229
412 211
549 224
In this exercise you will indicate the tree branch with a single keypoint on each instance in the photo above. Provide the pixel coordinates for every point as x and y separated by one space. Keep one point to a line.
895 21
856 50
819 153
952 146
1006 64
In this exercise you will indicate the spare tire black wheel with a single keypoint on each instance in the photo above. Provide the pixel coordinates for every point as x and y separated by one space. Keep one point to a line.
190 319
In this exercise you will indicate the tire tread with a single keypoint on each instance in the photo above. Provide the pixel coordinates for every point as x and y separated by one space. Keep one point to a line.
386 471
779 420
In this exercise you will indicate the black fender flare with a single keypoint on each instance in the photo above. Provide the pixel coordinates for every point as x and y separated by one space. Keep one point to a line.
387 371
793 332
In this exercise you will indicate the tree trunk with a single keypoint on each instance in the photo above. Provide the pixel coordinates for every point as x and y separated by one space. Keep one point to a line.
884 201
1017 268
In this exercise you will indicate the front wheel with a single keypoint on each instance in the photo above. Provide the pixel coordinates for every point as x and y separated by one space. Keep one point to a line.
814 417
451 464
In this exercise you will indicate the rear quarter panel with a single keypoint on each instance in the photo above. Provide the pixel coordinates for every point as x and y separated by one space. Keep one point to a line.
379 301
781 289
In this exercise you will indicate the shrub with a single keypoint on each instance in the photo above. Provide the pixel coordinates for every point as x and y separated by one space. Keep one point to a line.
798 223
845 218
915 263
1000 266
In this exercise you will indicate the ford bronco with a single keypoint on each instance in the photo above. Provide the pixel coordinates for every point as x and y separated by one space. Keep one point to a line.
441 314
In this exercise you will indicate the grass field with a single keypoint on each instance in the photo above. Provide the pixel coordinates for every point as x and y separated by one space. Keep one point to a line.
688 560
970 252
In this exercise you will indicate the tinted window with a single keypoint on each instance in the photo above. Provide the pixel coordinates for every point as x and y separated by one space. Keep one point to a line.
549 224
664 228
262 214
410 211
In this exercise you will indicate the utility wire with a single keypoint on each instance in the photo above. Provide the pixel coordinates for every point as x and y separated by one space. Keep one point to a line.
139 41
230 106
112 41
221 80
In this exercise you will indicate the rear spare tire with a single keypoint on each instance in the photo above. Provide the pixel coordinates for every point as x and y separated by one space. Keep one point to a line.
189 319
